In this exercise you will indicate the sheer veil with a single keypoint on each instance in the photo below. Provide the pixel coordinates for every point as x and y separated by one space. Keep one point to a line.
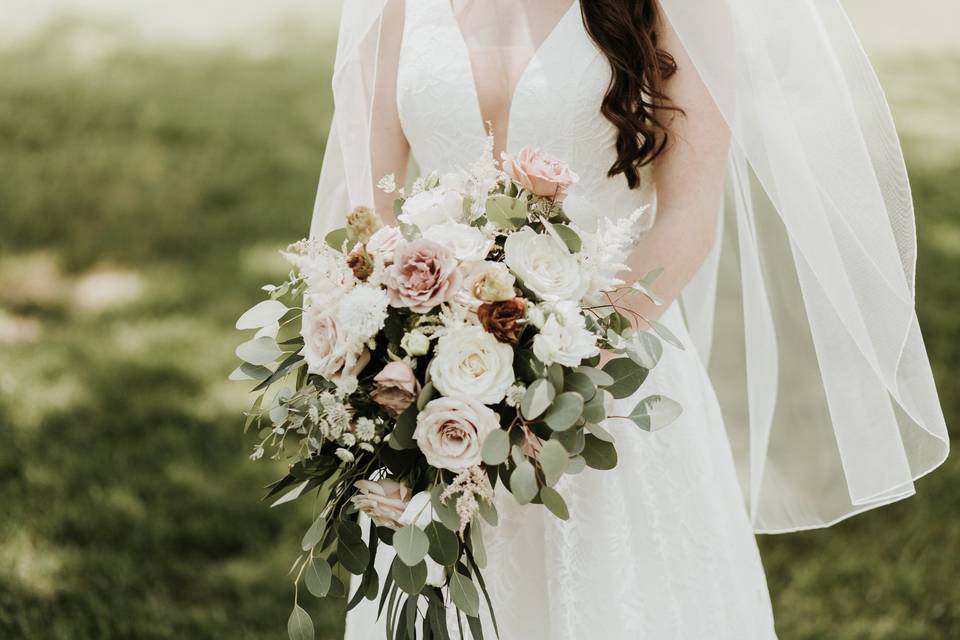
805 310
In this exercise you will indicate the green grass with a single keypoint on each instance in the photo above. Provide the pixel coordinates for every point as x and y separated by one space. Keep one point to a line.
130 508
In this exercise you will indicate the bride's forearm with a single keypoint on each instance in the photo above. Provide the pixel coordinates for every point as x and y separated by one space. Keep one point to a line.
689 177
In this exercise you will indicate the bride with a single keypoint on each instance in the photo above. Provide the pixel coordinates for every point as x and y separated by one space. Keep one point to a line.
783 220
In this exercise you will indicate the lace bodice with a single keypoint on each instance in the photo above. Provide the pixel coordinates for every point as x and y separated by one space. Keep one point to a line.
555 106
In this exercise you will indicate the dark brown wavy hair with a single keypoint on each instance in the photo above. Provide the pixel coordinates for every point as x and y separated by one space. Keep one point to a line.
626 32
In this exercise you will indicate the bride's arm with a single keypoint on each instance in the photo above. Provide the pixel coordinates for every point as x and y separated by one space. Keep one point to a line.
389 150
689 178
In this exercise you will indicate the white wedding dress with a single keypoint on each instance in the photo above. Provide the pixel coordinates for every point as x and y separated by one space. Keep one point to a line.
661 547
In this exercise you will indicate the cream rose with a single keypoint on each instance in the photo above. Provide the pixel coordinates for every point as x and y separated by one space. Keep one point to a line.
323 349
471 362
395 387
423 275
428 208
544 265
450 432
539 173
467 243
384 243
383 500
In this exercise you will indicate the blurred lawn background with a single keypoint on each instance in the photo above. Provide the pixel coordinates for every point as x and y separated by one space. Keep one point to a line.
149 171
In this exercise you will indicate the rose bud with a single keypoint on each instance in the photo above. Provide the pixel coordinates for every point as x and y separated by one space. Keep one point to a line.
396 387
362 223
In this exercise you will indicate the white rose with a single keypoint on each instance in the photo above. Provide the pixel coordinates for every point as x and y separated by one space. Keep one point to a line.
450 432
467 243
419 512
564 337
471 362
544 266
428 208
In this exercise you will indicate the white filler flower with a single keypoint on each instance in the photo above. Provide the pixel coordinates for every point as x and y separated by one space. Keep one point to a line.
564 337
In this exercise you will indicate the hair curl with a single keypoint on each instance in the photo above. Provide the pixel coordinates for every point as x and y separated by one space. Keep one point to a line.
626 32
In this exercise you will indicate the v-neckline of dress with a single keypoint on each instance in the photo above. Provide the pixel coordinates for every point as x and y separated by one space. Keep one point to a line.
534 57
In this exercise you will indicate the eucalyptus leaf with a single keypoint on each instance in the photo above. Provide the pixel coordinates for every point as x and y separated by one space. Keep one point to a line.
337 238
577 464
580 383
565 411
600 432
496 447
553 501
425 395
488 511
259 351
477 545
444 544
555 376
627 376
655 413
664 333
599 377
595 410
247 371
411 544
317 577
599 454
537 399
523 482
262 314
409 579
314 534
553 461
645 349
506 212
648 291
570 237
445 512
293 494
464 594
300 626
402 435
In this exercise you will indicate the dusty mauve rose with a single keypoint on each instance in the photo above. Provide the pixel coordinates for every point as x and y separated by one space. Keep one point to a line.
423 275
322 350
502 319
361 263
384 243
383 500
539 173
395 387
450 432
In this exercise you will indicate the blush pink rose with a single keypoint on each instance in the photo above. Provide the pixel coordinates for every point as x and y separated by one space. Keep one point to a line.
396 387
423 275
539 173
450 432
322 350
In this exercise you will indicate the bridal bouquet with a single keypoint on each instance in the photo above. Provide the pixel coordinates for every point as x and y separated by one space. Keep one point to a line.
410 372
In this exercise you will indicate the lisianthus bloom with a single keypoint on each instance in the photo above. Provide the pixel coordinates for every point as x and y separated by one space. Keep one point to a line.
395 387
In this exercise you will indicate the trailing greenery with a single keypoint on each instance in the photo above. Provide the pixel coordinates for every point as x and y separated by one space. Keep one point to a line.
123 472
